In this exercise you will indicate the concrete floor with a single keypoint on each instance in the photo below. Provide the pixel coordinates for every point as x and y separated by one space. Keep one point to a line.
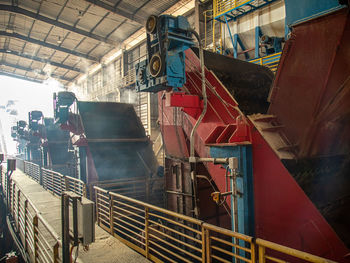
105 248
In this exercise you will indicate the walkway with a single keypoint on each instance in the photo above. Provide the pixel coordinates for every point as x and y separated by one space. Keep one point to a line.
105 248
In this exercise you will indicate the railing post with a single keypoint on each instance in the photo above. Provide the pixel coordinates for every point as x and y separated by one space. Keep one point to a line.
25 224
12 199
40 176
18 205
261 254
91 192
204 243
43 178
55 253
111 215
146 232
208 245
84 191
35 238
252 253
97 210
52 182
66 184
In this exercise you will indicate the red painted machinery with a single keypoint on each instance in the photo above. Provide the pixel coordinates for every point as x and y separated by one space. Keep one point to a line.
294 157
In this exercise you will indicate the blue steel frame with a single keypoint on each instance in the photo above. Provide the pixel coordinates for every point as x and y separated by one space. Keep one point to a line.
237 40
228 16
258 34
245 203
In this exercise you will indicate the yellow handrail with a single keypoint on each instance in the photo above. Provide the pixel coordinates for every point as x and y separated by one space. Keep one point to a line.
223 6
268 61
287 251
163 235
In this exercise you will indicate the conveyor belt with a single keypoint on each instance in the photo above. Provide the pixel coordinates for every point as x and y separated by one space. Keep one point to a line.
109 120
248 83
116 140
58 143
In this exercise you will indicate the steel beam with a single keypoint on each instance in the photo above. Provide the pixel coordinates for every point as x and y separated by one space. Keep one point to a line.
40 72
19 54
48 45
117 11
25 12
13 75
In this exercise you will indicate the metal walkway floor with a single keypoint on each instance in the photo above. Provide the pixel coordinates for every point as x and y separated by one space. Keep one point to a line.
105 248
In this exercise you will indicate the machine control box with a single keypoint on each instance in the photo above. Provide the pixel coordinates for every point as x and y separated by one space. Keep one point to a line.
86 221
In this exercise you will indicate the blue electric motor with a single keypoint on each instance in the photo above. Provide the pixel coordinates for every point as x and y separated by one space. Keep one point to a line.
272 44
167 39
35 117
62 101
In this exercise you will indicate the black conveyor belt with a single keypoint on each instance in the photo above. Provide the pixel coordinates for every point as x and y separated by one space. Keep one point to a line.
248 83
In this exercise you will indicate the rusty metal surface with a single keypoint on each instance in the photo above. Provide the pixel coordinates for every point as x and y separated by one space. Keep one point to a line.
311 93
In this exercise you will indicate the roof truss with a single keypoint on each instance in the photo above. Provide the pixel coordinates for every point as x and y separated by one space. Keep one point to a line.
12 75
48 45
40 72
117 11
56 64
18 10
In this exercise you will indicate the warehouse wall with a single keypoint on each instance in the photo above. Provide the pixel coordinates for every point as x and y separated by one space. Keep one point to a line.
271 20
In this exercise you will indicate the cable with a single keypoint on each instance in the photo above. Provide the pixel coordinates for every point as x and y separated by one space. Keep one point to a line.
76 254
71 253
204 93
226 188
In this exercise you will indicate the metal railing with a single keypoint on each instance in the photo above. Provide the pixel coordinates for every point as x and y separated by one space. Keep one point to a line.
40 241
33 170
270 61
129 78
224 6
53 181
58 183
145 189
272 252
158 234
165 236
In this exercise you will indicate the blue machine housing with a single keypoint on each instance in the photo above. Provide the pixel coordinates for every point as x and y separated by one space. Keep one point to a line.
300 11
244 182
62 101
171 38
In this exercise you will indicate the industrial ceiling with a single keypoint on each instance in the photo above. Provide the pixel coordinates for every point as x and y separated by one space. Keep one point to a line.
63 38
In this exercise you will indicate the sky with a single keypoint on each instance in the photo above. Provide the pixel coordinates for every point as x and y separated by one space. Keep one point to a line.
28 96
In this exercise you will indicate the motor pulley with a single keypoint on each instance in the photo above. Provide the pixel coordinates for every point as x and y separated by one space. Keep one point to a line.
151 24
156 65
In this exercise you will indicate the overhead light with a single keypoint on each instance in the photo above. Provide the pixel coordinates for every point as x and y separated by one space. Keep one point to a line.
59 40
80 14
